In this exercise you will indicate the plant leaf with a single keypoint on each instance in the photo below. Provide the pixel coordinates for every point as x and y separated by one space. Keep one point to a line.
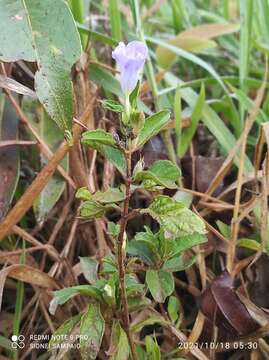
153 350
178 263
92 329
187 242
153 125
174 217
120 344
98 137
173 308
160 283
60 297
162 172
62 331
35 26
112 106
89 267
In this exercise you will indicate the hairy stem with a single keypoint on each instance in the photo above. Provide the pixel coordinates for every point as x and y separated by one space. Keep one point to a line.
121 257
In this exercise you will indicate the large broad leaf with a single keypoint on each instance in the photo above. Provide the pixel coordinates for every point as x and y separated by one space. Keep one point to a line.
45 32
153 125
9 155
194 39
162 172
92 329
174 217
160 283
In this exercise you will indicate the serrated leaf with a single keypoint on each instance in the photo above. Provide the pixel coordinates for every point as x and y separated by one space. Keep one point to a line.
113 229
162 172
160 283
89 267
35 26
92 329
174 217
153 125
112 106
63 331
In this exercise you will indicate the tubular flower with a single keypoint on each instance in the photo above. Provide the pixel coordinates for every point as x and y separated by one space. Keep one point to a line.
130 60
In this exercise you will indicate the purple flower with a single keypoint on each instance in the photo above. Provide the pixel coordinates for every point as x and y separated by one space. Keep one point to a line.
130 60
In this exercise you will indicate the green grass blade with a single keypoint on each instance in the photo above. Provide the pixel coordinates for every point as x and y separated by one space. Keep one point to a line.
115 19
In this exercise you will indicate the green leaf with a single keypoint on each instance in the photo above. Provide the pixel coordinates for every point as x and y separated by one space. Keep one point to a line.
187 242
162 172
115 19
112 106
224 229
153 125
151 320
64 330
160 283
120 344
92 329
60 297
83 194
92 209
35 26
174 217
178 263
173 308
106 145
98 137
111 195
134 95
113 229
144 248
136 303
249 244
89 267
153 350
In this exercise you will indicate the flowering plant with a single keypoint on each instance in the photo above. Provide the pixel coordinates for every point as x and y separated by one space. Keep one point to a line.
116 291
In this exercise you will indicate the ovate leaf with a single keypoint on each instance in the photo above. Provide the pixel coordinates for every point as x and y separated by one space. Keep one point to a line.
35 26
186 242
178 263
153 125
92 329
112 106
64 330
120 344
162 172
173 308
89 267
160 283
92 209
98 137
174 217
60 297
107 146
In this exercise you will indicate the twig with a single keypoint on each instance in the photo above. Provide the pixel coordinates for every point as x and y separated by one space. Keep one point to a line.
16 142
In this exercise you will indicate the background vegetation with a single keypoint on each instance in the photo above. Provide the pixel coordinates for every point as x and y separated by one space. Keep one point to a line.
192 294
